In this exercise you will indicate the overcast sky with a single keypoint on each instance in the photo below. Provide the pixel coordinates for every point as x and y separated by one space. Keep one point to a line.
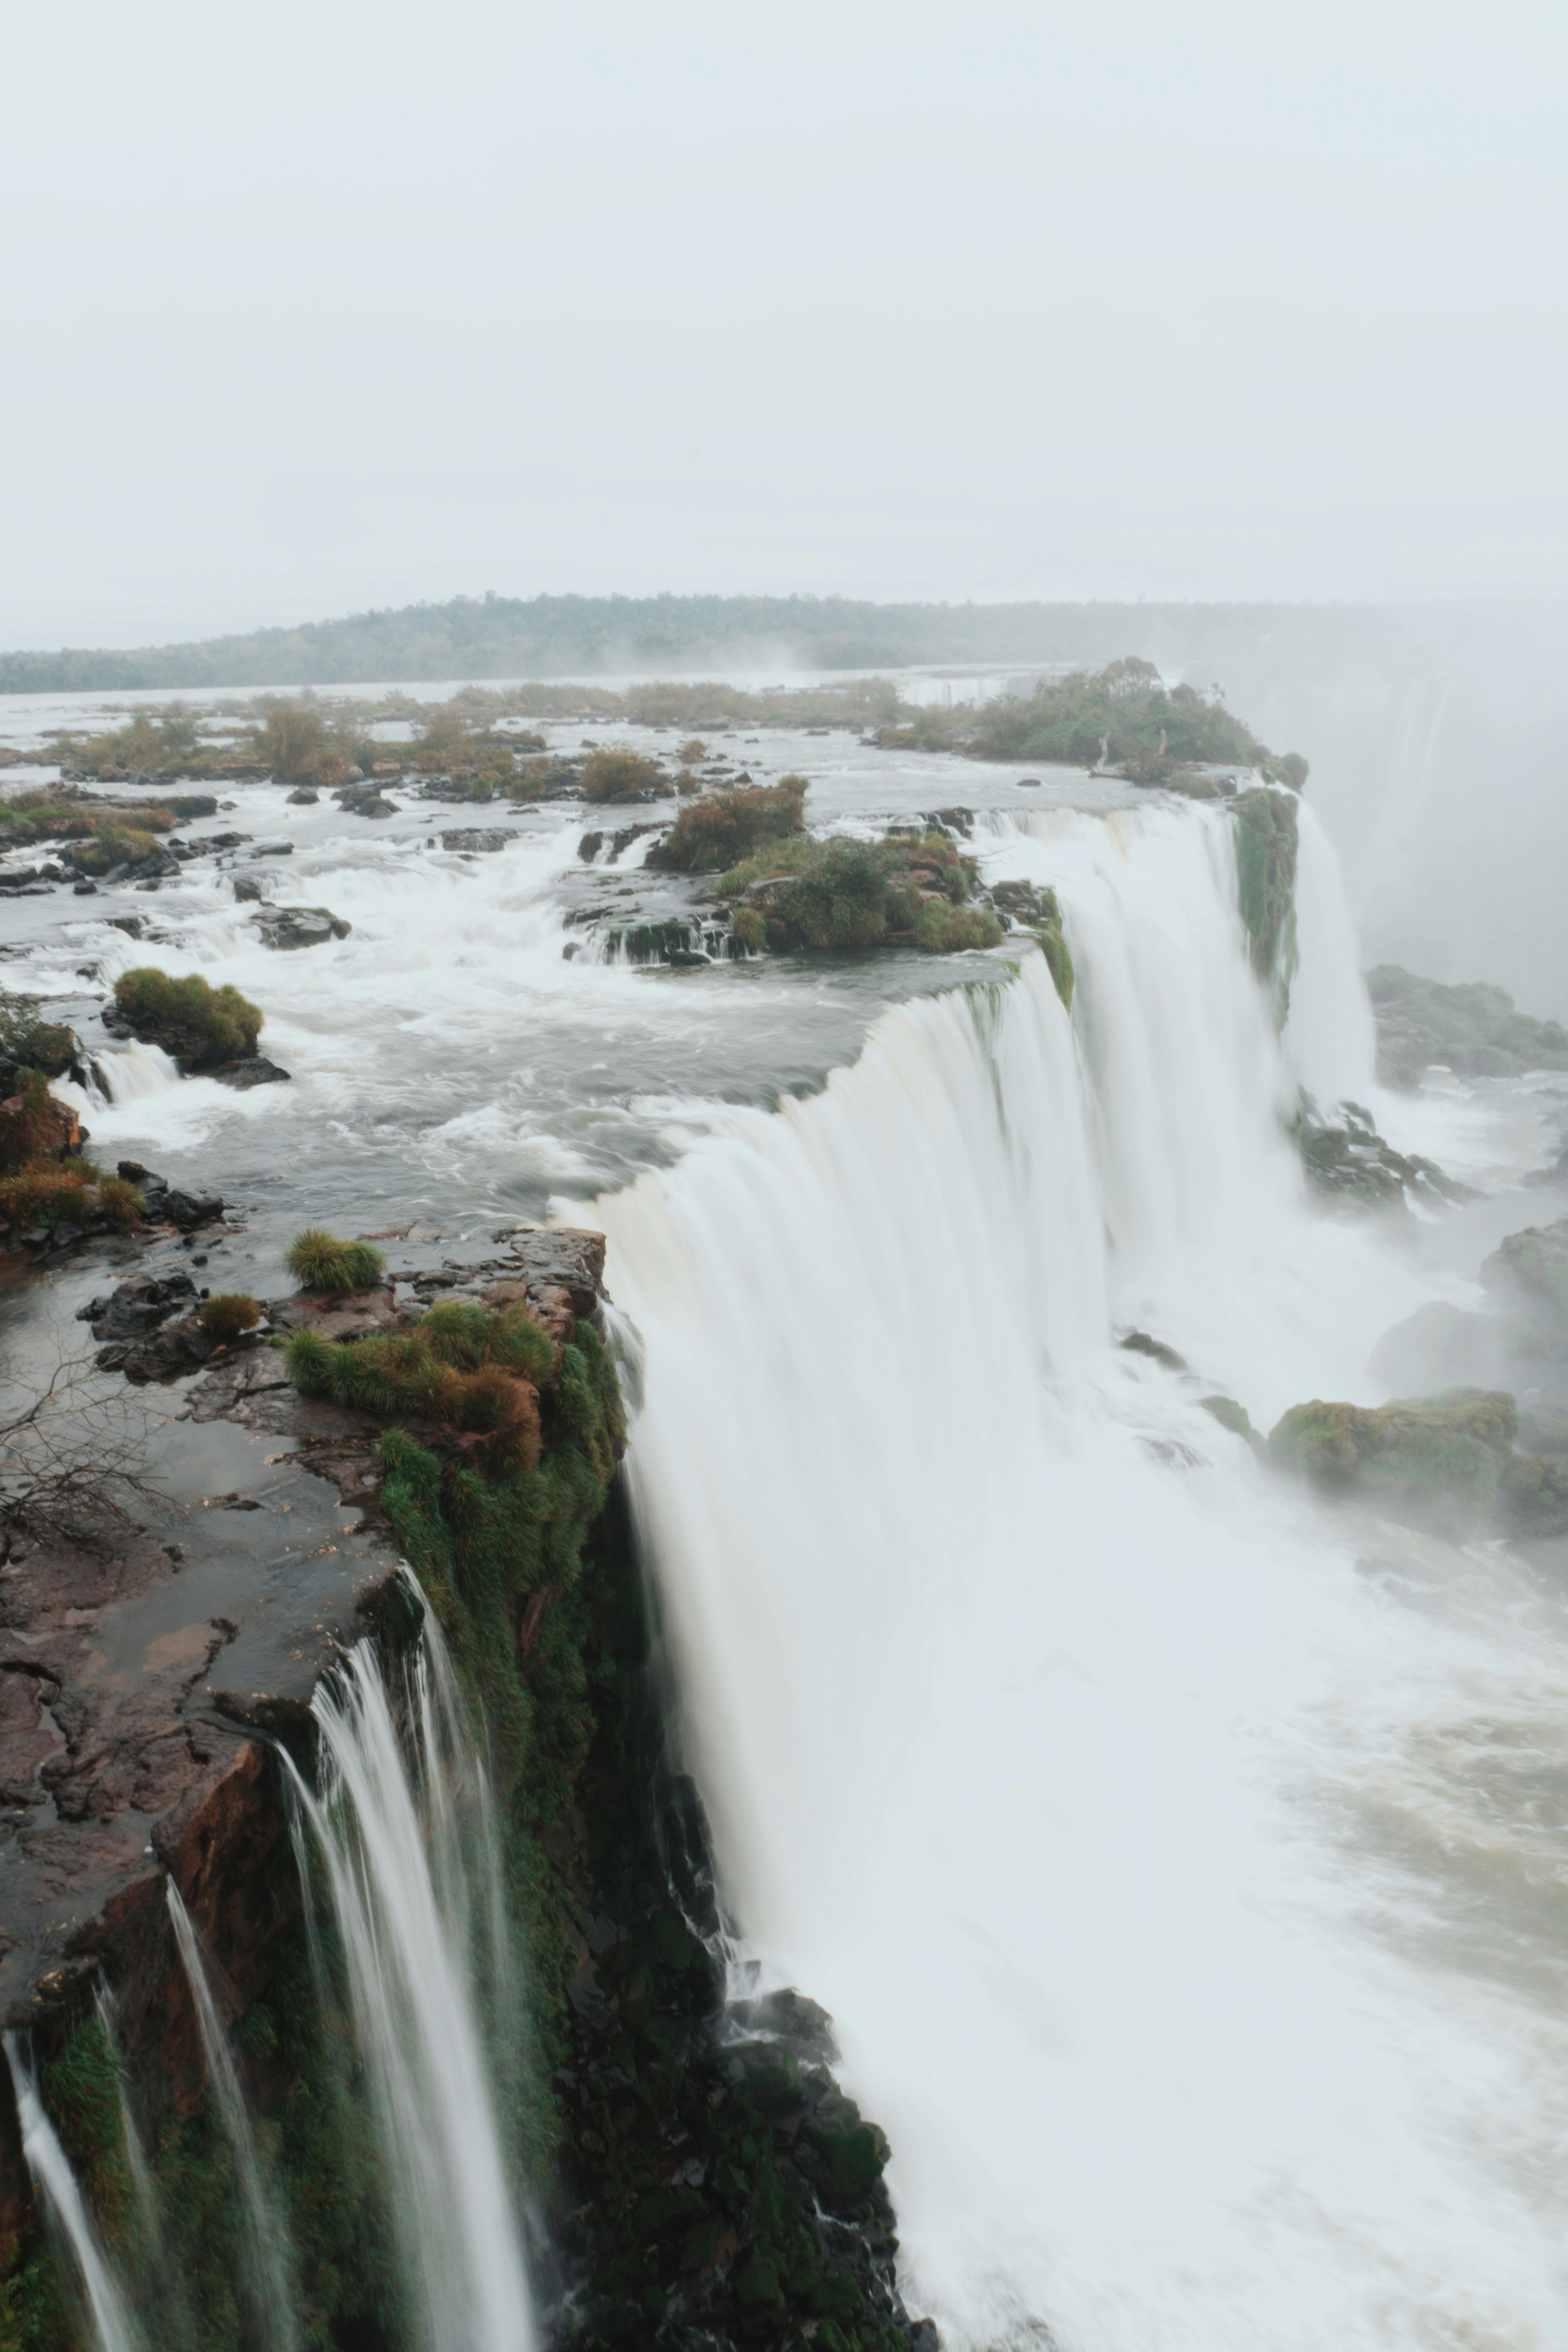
313 307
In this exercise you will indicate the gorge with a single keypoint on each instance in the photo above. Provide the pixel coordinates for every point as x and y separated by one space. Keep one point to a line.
862 1809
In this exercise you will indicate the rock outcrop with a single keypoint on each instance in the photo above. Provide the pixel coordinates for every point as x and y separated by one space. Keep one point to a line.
1528 1273
298 927
1347 1160
1445 1461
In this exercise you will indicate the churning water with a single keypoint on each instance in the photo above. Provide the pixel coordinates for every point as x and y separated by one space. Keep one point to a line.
1185 1882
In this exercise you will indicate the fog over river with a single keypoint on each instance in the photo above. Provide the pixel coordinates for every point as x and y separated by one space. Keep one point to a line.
1183 1862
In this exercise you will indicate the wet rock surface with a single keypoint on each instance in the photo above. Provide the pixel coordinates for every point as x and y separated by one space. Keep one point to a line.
1347 1160
1528 1273
298 927
1445 1461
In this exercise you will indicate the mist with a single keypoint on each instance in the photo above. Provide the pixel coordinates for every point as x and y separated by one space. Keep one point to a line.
335 309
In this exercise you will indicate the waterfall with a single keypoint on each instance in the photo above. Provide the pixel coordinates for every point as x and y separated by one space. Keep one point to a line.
265 2236
50 2169
401 1859
1074 1766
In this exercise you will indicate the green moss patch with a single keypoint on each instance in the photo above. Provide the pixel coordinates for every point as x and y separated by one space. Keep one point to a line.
1265 843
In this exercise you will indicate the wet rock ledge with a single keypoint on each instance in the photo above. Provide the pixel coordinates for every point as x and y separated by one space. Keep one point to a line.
706 2181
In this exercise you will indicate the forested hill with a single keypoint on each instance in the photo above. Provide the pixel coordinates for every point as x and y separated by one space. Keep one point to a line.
473 637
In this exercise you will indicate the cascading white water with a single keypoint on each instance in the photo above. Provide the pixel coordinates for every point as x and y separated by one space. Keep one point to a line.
401 1851
265 2237
50 2169
1074 1766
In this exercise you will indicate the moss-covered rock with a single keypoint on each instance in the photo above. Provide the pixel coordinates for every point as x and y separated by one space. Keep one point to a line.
1437 1460
1230 1415
1529 1270
1265 844
1039 912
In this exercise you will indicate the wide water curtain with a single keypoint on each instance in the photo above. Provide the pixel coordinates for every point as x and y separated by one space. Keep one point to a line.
1041 1736
415 1884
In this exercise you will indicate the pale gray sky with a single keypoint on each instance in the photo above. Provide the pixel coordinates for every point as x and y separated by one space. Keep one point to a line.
312 307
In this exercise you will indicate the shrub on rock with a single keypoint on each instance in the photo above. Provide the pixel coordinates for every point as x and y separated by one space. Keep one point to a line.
617 772
223 1319
200 1026
329 1268
721 828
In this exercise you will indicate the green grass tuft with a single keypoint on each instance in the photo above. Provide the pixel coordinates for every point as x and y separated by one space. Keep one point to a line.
320 1262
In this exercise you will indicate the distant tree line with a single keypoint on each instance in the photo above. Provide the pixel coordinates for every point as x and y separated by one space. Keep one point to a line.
474 638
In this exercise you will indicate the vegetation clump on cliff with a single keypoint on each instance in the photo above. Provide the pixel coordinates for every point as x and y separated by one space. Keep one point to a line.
28 1042
841 895
1123 717
724 827
472 1373
202 1026
1039 912
1265 847
45 1184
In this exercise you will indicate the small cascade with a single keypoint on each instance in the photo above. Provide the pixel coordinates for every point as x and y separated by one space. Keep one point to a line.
266 2235
51 2171
404 1825
678 939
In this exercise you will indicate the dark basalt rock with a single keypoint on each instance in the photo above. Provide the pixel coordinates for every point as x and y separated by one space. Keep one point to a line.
304 796
481 838
256 1070
174 1347
166 1204
299 926
246 889
135 1308
363 800
1351 1162
1141 1344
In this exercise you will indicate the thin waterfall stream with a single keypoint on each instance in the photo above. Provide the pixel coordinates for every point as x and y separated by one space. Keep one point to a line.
265 2237
404 1907
50 2168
